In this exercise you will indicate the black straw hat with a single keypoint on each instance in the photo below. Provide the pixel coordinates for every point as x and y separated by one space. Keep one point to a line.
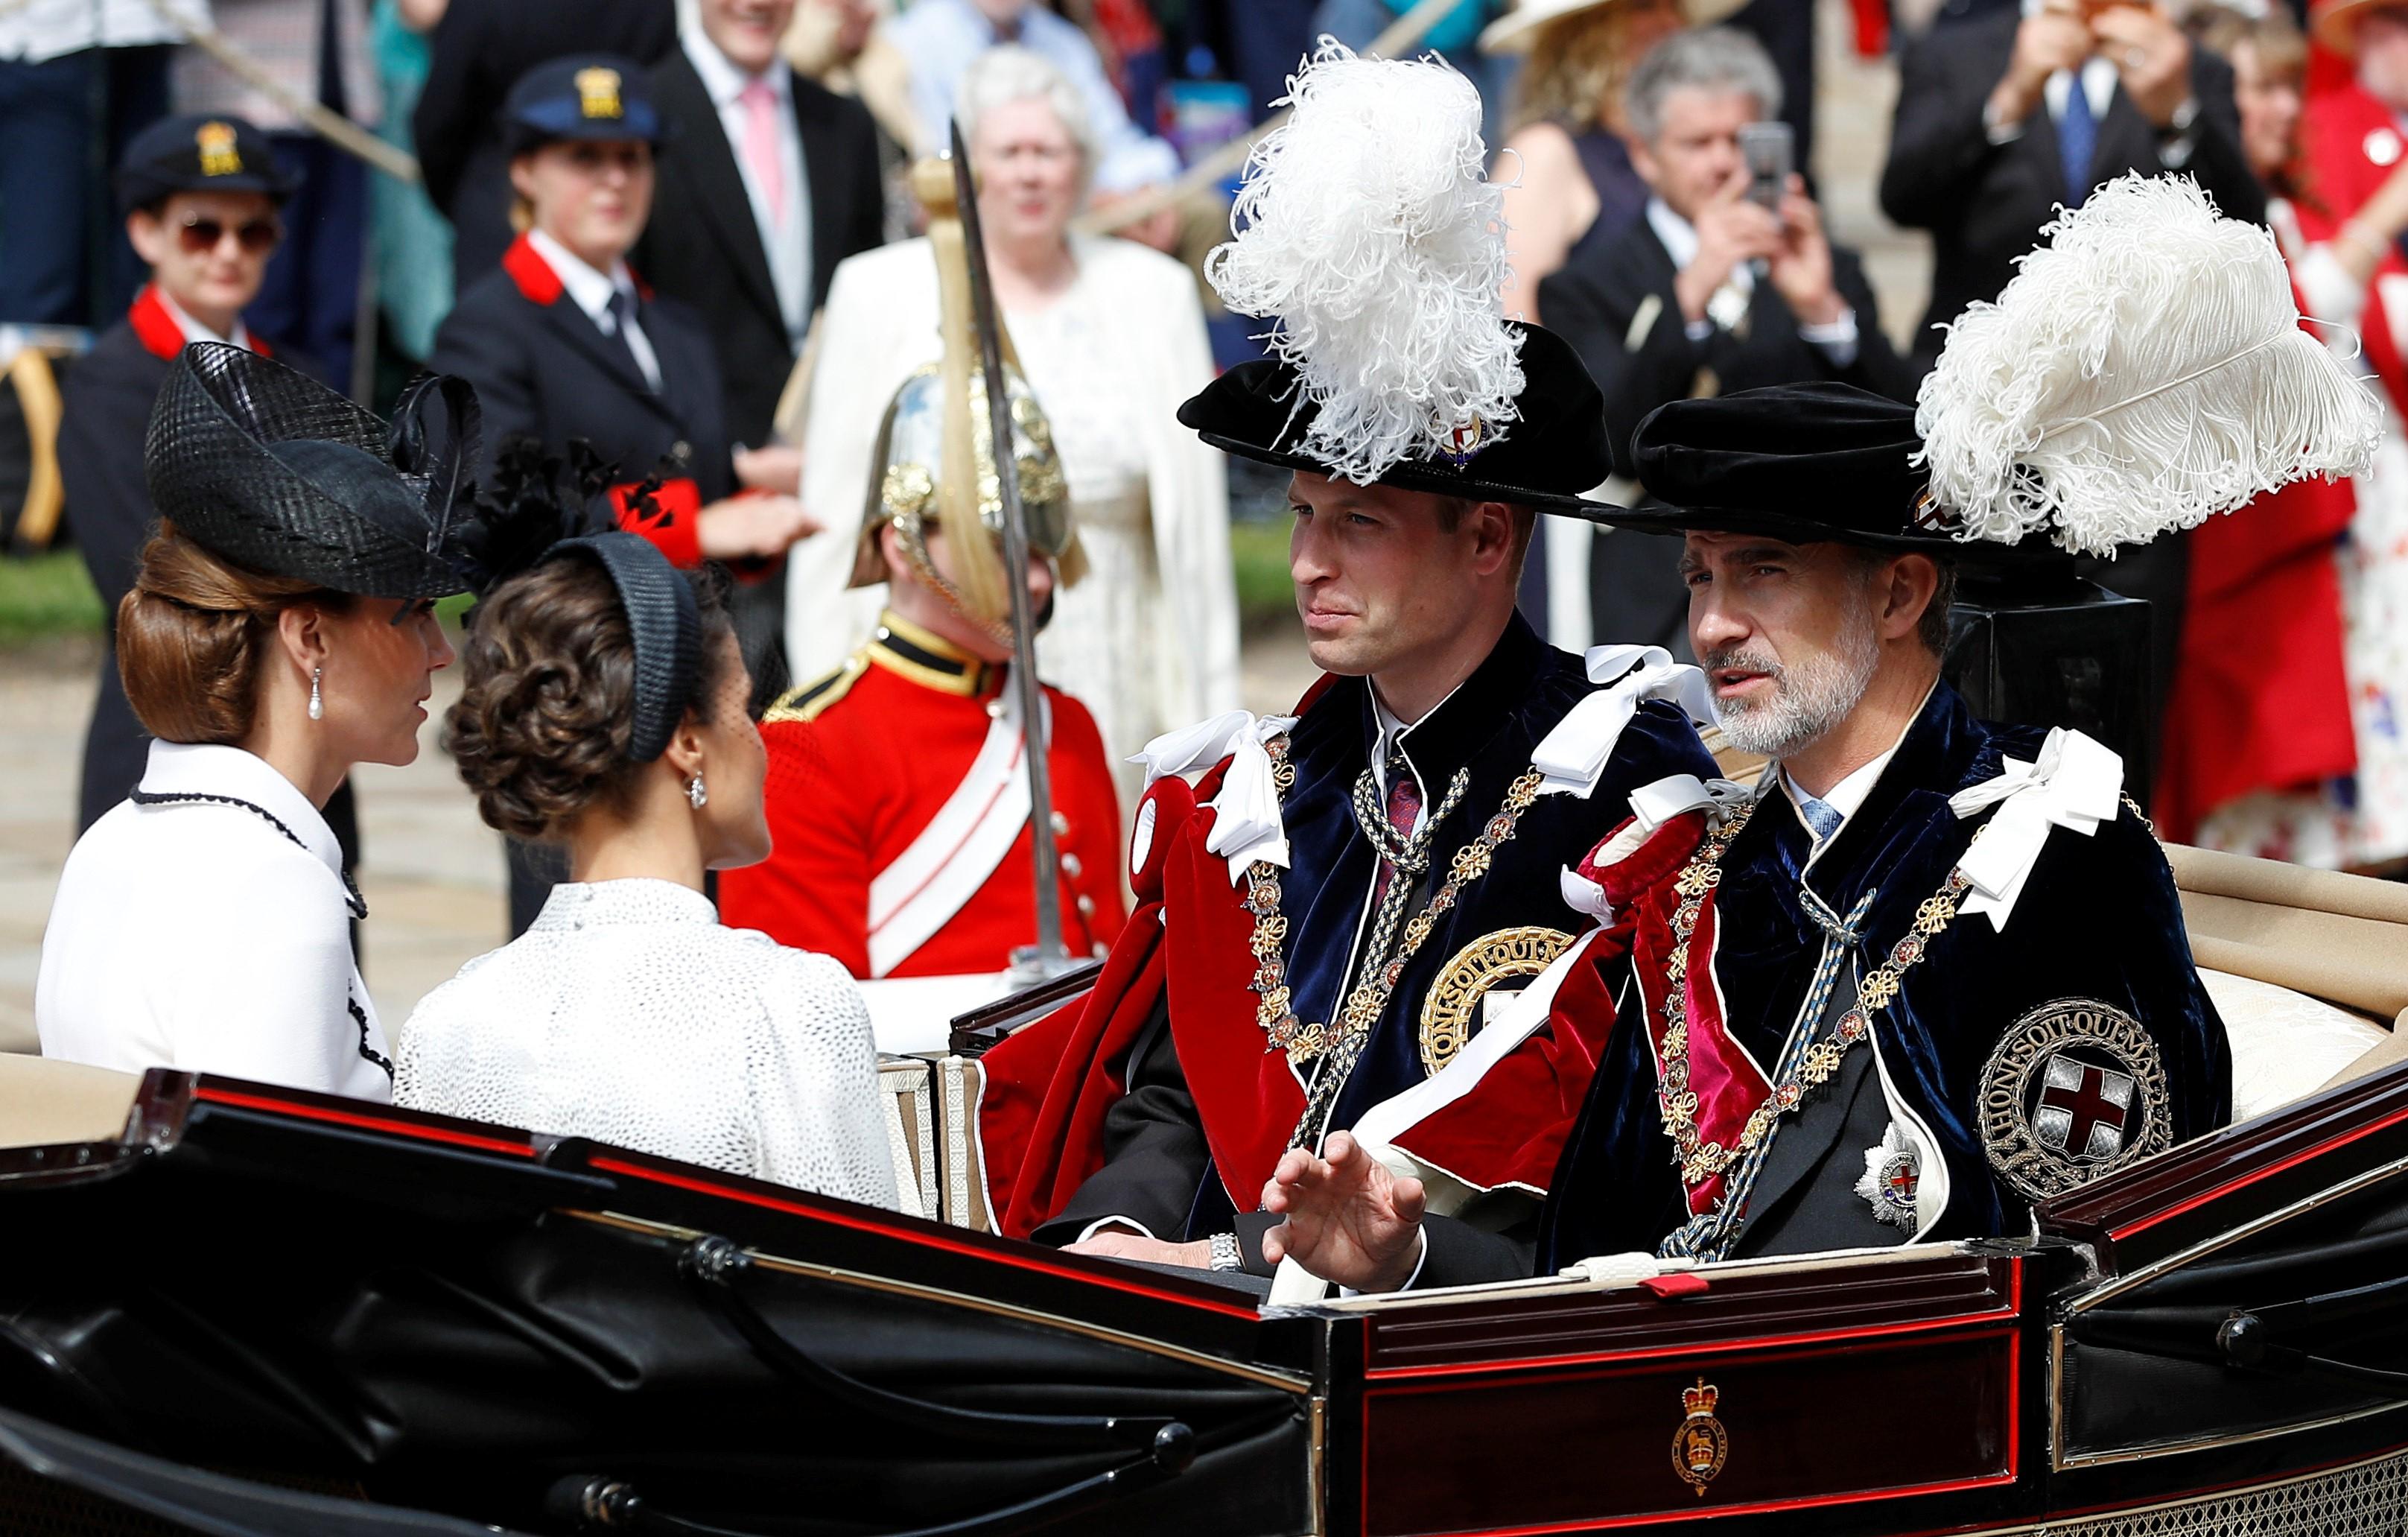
198 152
271 469
1556 449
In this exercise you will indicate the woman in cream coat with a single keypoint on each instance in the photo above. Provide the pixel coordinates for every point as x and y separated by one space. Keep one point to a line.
1110 335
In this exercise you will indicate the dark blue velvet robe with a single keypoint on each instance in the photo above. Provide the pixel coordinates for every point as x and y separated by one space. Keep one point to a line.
2099 918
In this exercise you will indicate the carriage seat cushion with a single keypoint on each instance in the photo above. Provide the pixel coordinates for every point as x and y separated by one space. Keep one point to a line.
2285 1045
45 1102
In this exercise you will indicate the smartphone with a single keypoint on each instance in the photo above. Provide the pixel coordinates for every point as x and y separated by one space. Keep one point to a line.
1766 149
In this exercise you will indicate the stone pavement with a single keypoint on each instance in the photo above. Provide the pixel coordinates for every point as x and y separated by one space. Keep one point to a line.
432 872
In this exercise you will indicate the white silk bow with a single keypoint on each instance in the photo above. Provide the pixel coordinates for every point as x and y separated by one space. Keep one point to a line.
1651 806
1573 755
1246 825
2075 785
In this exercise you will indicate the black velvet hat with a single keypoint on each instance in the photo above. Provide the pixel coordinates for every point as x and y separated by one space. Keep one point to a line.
198 152
585 95
1799 462
271 469
1556 450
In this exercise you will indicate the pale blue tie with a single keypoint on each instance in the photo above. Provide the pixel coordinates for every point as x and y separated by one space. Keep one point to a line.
1821 816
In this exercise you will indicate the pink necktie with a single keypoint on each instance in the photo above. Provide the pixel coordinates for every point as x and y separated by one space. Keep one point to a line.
760 146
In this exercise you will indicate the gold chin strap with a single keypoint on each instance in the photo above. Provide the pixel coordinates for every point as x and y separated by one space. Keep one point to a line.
910 536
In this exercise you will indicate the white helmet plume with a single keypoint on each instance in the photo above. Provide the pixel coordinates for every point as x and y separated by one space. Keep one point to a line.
2144 371
1369 233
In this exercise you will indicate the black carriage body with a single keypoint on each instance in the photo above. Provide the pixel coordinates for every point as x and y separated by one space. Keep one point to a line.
451 1317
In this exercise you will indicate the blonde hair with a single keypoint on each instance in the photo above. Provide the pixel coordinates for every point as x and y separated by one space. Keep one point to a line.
193 633
1574 72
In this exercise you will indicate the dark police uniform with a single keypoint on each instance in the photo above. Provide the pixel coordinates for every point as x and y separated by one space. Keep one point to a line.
107 399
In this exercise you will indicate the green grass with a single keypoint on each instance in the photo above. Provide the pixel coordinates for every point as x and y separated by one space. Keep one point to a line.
45 595
1259 553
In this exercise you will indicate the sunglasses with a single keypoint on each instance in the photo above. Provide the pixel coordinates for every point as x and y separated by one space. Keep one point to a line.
257 235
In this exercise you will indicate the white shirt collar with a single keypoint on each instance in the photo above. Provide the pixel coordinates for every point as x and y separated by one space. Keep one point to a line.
1849 794
720 75
1678 236
200 769
194 331
592 290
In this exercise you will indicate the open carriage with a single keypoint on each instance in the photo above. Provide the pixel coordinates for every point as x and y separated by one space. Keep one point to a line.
233 1309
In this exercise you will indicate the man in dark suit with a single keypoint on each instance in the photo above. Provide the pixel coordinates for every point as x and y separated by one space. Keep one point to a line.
2001 118
1990 136
478 50
1708 292
766 183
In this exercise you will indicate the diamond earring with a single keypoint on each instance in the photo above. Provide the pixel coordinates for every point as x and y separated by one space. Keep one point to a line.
695 793
317 703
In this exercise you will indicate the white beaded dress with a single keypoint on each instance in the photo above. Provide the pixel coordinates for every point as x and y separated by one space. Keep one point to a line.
628 1014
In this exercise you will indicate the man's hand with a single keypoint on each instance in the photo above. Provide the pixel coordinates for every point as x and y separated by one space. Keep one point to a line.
2152 56
1801 270
1120 1244
1349 1220
1730 230
755 527
2051 39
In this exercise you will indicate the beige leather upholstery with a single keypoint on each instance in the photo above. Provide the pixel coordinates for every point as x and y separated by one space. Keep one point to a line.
43 1102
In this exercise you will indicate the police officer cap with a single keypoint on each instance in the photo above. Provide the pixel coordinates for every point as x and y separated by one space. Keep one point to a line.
585 95
197 152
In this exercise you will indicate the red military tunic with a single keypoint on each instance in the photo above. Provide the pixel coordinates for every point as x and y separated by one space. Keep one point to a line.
861 765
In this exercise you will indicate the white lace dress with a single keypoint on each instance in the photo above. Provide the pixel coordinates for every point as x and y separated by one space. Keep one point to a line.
627 1013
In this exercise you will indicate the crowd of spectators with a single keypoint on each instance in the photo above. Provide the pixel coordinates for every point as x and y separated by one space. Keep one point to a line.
757 260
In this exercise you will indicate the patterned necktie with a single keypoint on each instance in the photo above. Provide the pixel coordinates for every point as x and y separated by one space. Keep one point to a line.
761 147
1821 816
2077 140
1404 811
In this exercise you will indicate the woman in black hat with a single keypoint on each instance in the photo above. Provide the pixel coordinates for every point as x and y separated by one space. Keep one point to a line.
202 199
605 712
278 631
565 342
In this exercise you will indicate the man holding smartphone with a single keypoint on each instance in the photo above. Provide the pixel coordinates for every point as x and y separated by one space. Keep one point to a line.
1727 282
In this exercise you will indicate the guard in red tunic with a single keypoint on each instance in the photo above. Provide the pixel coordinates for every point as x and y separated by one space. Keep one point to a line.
898 793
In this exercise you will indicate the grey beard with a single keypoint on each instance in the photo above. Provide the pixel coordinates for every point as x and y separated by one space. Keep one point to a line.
1808 699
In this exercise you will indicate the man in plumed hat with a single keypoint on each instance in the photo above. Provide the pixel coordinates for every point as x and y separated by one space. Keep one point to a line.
1334 911
1928 970
202 199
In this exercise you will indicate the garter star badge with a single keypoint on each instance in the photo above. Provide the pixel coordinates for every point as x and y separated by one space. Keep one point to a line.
1451 1009
1701 1446
1892 1178
2073 1090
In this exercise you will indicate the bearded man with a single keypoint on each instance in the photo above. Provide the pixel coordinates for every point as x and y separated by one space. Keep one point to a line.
1929 971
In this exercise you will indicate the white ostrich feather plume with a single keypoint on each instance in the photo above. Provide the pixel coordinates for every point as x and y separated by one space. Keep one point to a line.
1369 233
2143 372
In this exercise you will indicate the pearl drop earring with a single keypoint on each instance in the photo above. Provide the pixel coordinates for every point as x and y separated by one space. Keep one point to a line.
317 702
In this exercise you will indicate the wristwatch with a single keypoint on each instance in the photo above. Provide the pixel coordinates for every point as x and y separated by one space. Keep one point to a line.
1224 1253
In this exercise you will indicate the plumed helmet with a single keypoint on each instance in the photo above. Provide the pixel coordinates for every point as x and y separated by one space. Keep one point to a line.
917 486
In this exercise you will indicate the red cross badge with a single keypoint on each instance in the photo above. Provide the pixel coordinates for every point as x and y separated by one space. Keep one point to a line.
2083 1109
2074 1089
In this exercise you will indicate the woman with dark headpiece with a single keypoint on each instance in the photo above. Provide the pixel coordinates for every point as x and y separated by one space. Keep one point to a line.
280 629
606 709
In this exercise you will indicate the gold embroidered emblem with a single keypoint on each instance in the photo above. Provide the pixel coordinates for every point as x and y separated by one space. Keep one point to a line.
216 142
2073 1090
1455 994
1701 1446
598 93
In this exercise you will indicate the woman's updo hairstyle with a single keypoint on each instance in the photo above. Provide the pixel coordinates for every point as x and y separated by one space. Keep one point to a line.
548 704
193 634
